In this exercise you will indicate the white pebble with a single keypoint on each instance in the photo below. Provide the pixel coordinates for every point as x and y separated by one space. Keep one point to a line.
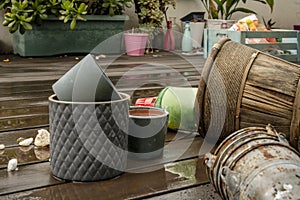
42 139
2 146
26 142
288 187
20 139
12 164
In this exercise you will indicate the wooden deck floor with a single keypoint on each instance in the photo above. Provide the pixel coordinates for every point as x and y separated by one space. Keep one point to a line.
25 85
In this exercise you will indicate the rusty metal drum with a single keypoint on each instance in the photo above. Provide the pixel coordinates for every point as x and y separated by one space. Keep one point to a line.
255 163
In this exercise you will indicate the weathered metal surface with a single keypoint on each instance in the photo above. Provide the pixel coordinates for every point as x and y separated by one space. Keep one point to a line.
255 163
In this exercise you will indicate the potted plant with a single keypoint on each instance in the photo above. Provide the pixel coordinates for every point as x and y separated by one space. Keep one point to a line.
135 42
30 22
151 14
221 10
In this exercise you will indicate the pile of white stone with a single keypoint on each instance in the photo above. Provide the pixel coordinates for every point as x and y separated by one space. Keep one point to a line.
42 139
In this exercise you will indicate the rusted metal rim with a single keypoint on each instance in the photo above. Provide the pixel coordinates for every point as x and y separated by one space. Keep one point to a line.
232 147
236 134
253 130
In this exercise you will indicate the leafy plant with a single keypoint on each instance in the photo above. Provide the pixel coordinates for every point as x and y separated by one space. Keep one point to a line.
72 10
152 12
109 7
21 14
224 9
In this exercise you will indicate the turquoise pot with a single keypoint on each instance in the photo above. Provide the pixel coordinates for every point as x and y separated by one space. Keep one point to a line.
99 34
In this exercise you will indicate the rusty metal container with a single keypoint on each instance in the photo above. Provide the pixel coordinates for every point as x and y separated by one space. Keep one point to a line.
255 163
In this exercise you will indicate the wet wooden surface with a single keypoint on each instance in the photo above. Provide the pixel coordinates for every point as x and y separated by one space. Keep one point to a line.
25 85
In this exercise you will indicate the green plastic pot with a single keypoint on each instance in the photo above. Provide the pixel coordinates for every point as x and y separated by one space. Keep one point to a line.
179 102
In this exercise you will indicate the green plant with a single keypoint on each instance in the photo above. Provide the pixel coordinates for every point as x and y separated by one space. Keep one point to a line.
21 14
151 13
109 7
224 9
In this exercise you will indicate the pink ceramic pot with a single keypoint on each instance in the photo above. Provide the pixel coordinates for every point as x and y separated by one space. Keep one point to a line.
135 43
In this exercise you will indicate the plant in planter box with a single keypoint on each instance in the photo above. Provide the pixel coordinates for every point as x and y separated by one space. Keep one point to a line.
151 14
23 13
48 36
224 9
220 11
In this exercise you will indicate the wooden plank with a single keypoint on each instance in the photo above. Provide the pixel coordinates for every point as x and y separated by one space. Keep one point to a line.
252 104
176 62
27 177
24 155
266 95
35 109
271 34
22 102
277 46
9 138
183 147
25 121
37 178
269 76
201 192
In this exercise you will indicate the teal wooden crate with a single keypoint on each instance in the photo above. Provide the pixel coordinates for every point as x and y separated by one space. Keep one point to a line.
288 41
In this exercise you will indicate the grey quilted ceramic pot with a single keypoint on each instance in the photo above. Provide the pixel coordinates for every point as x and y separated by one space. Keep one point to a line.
88 139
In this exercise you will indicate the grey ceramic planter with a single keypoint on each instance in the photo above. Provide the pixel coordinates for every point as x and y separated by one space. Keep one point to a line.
88 139
147 130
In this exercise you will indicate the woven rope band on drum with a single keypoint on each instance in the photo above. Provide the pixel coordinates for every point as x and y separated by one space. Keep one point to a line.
231 57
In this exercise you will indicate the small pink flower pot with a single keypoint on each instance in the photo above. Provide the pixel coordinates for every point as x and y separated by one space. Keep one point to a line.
135 43
297 27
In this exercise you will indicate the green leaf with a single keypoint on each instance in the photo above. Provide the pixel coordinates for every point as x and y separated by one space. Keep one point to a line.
43 16
73 24
27 19
81 18
244 10
5 23
61 18
27 26
22 30
13 28
11 24
66 19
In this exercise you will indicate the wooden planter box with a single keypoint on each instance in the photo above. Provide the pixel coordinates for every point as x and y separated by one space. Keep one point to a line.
54 37
289 41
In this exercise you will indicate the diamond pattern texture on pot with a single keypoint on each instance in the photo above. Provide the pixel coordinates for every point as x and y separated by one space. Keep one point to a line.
88 141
